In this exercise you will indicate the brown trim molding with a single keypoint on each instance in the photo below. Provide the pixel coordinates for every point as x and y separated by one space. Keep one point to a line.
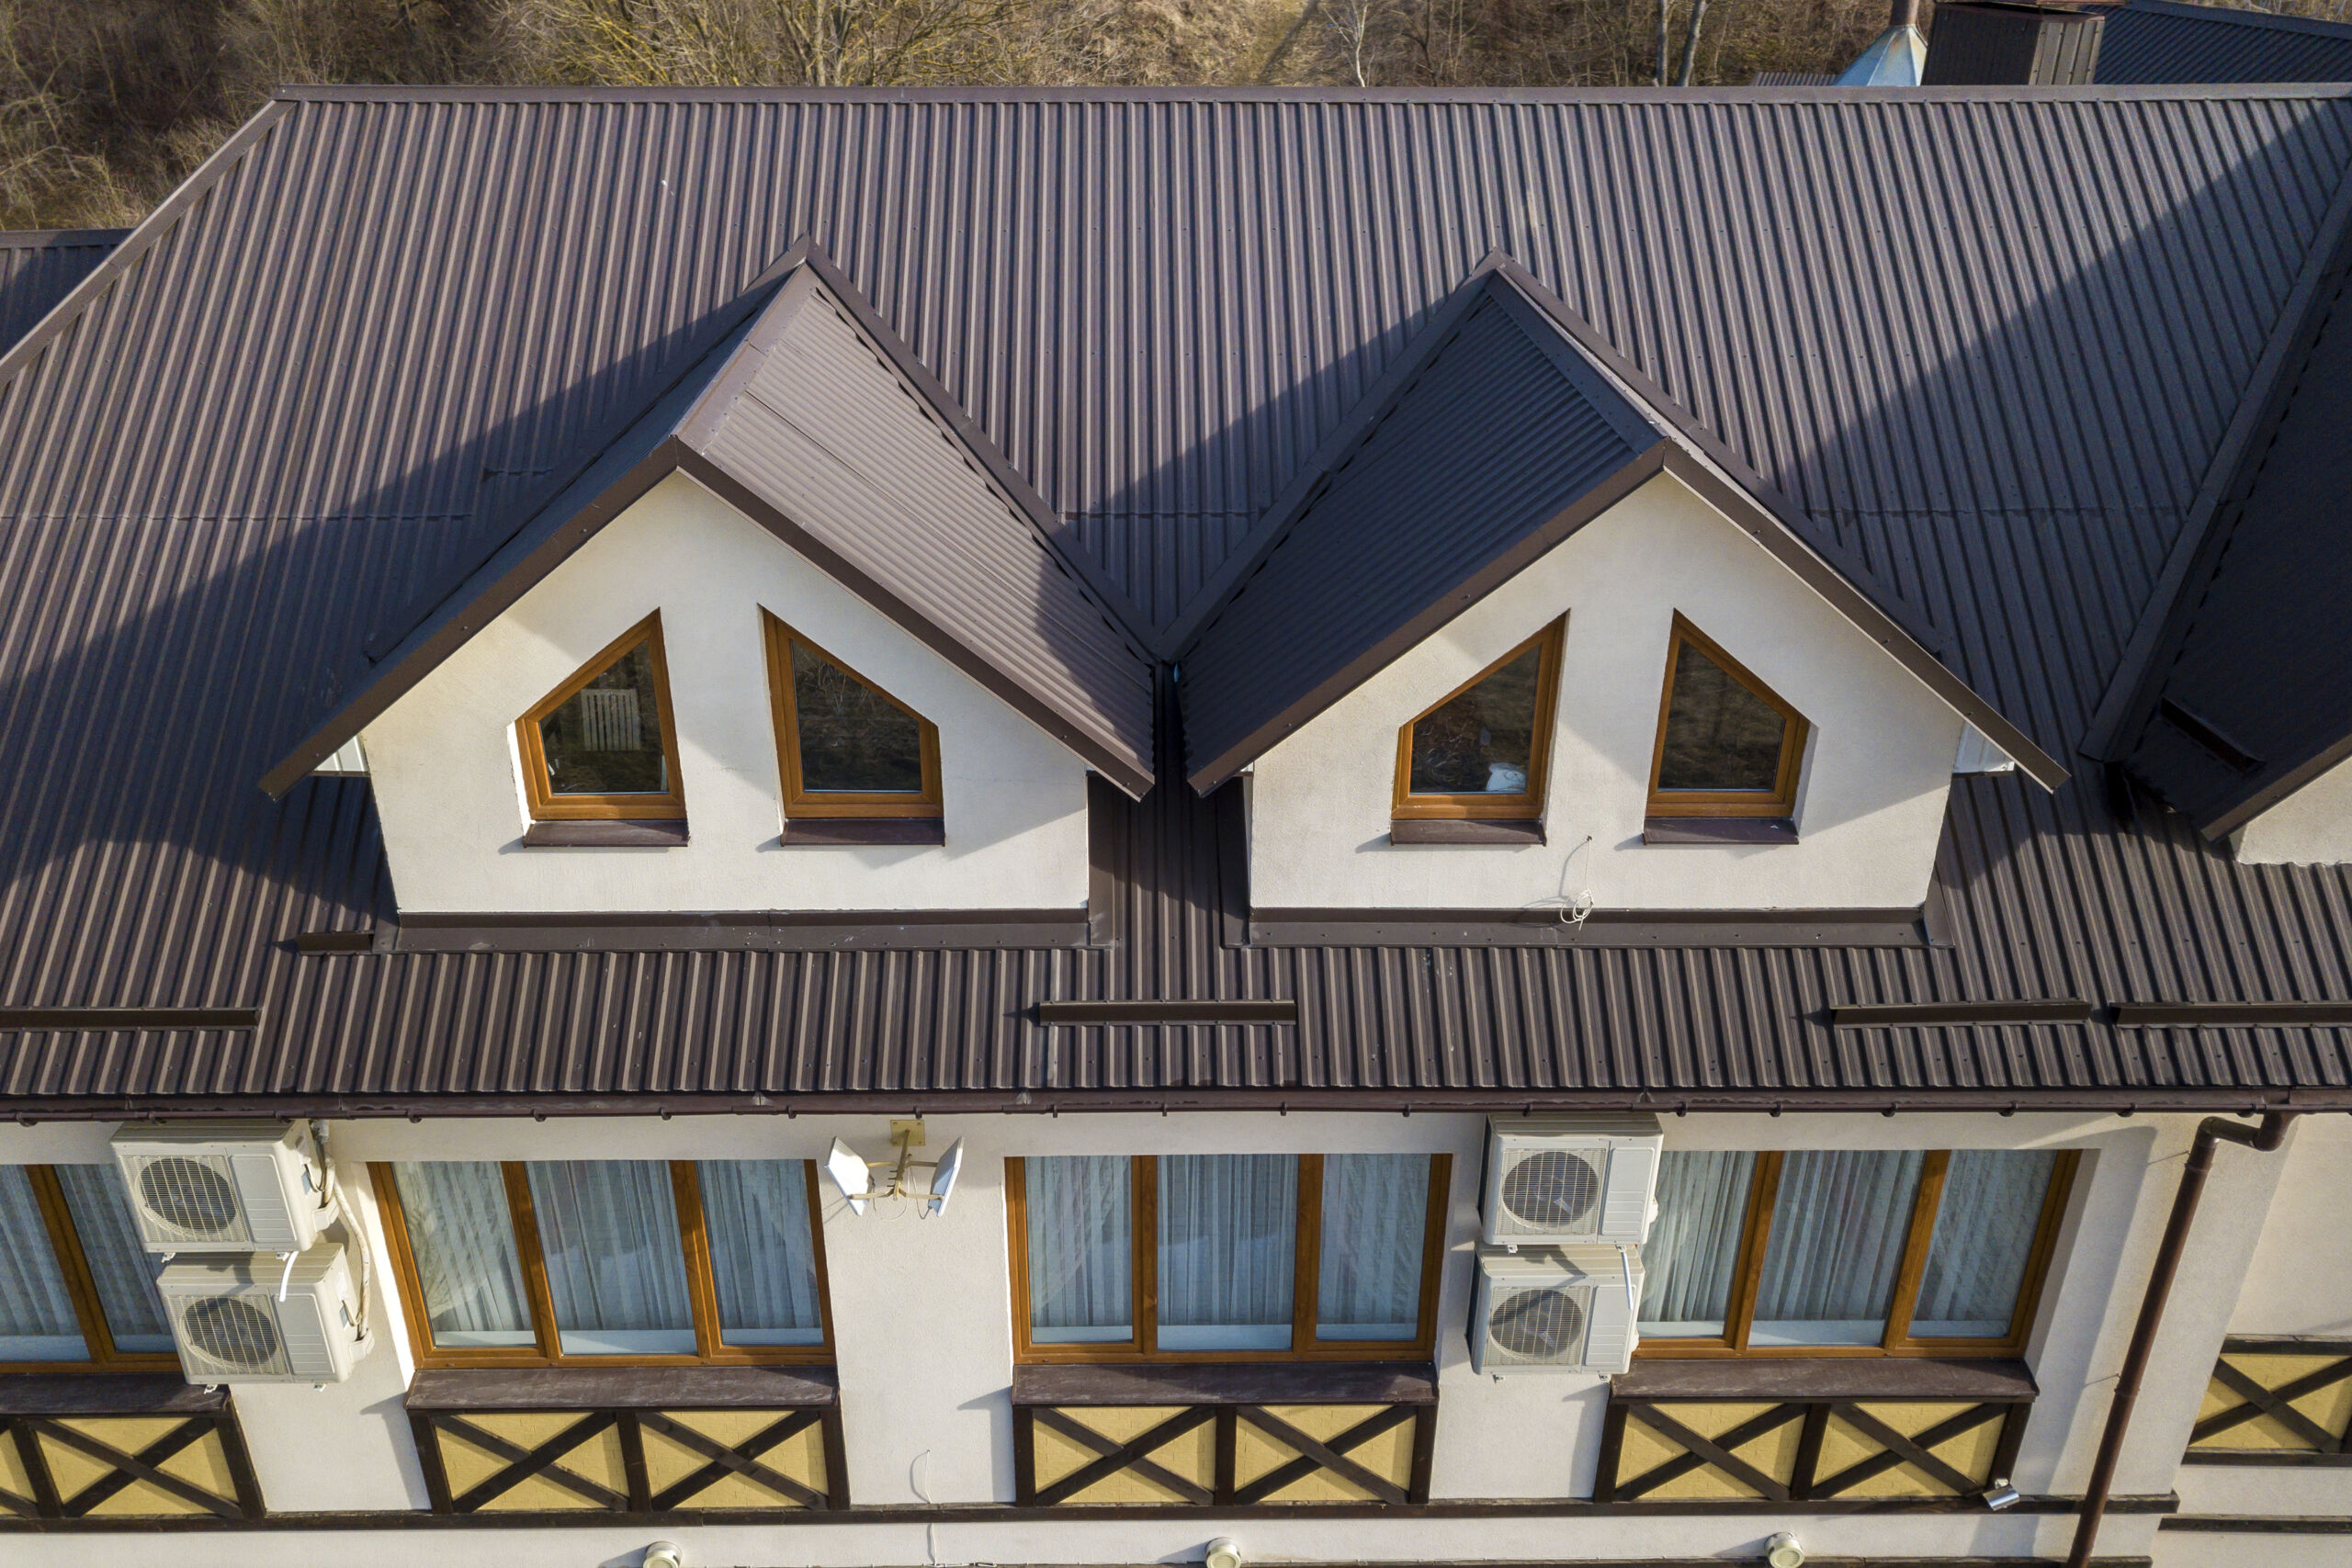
129 1017
2257 1524
834 833
1719 830
1464 830
620 834
1601 927
630 931
2224 1015
1173 1011
1913 1015
1004 1513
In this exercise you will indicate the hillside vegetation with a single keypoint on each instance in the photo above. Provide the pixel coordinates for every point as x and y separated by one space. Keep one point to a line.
104 105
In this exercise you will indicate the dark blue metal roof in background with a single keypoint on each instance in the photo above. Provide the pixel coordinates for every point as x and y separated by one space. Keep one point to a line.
1988 343
2152 41
39 266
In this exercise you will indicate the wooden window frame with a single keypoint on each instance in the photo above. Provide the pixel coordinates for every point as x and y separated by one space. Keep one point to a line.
1783 800
1764 1188
1144 1243
1407 805
548 807
81 1285
800 801
693 1239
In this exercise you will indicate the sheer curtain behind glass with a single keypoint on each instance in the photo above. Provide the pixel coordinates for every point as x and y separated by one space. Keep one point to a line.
463 1240
1228 1251
763 1259
37 1321
1081 1258
616 1272
1839 1227
1693 1250
1376 1213
1985 1224
123 1271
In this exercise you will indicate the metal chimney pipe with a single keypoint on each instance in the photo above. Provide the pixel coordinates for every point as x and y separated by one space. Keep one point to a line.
1906 14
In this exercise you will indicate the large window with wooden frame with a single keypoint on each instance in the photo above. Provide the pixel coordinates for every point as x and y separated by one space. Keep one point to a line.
602 747
593 1262
1481 754
77 1289
1179 1258
1903 1252
845 748
1727 746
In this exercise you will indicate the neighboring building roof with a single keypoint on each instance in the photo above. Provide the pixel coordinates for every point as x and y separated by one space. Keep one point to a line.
1794 79
40 267
811 420
297 402
2152 42
2245 699
1497 435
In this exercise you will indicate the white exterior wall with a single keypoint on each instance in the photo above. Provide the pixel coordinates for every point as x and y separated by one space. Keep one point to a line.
2311 827
449 791
923 1323
1870 803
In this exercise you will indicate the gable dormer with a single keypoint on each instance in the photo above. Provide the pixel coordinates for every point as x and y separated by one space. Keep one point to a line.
1522 645
791 639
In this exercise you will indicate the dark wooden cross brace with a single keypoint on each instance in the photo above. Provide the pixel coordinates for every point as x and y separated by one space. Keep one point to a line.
1900 1449
129 1468
2276 1403
739 1459
1130 1455
1315 1456
1715 1451
1693 1458
42 1504
523 1463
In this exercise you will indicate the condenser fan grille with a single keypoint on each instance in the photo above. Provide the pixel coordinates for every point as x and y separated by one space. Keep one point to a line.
1551 1190
232 1332
1539 1326
189 1195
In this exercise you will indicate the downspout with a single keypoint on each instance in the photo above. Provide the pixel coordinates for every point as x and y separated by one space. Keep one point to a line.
2265 1139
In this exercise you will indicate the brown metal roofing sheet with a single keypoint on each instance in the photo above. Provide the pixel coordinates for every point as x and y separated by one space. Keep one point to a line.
2150 42
1987 342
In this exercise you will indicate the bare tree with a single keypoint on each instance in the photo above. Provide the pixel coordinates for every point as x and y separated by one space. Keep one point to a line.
1351 24
1690 41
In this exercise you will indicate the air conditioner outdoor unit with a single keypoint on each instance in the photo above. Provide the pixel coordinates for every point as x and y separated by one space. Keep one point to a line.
225 1186
1555 1309
1570 1180
232 1328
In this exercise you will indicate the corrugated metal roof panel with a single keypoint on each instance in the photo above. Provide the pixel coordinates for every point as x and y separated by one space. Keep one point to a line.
1988 341
2150 42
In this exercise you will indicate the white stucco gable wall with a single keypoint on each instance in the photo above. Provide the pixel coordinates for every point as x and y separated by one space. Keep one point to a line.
2311 827
1869 802
447 789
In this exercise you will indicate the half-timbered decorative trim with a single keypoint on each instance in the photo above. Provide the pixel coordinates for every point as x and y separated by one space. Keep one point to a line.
687 1440
2276 1400
129 1447
1801 1432
1223 1436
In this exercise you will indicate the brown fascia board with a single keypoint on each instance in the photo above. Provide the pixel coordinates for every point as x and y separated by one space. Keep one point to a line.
1993 93
2222 824
1715 474
2137 685
1456 598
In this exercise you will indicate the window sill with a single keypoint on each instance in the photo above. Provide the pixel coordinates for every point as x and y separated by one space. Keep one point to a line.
1825 1377
107 1393
1718 830
819 832
1463 830
605 834
1221 1382
624 1388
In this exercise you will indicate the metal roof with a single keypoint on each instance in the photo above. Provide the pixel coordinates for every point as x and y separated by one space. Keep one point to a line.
805 419
2159 41
38 266
2246 701
1988 343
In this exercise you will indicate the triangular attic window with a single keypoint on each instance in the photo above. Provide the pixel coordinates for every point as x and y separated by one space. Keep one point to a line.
845 747
601 745
1726 745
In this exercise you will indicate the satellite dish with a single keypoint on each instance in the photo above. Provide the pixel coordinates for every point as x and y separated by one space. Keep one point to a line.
943 1178
849 1172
